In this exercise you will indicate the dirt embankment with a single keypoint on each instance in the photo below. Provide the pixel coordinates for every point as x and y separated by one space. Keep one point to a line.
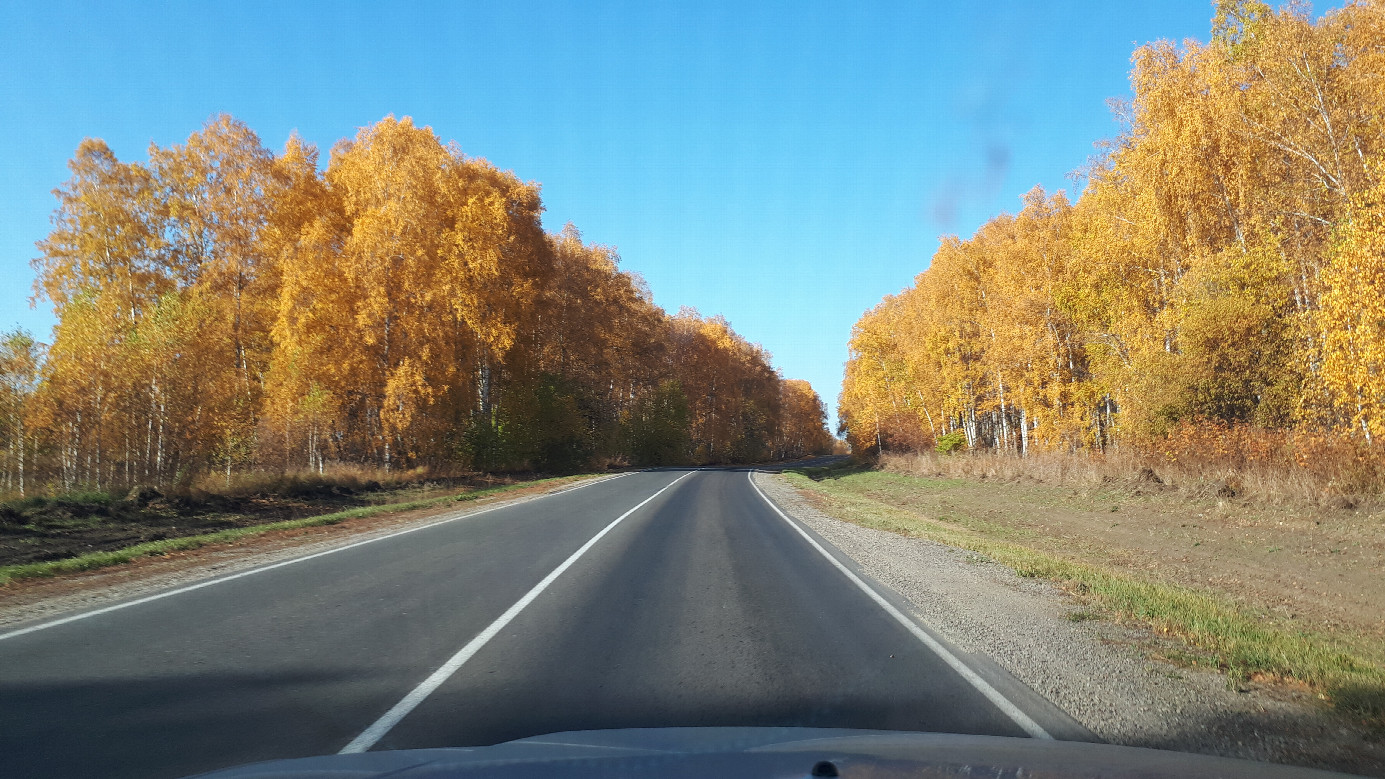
27 600
43 529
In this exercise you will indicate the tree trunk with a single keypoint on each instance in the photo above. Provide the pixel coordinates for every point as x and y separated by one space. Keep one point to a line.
1024 432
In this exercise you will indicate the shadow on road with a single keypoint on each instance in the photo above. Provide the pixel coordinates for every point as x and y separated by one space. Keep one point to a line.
166 726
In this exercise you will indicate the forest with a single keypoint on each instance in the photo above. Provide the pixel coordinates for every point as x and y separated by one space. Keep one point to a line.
1222 270
224 309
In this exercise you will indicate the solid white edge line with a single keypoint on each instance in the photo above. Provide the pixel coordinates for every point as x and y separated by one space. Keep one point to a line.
282 563
371 735
1010 710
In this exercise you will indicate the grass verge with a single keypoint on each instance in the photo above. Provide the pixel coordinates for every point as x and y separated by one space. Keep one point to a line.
1225 634
111 557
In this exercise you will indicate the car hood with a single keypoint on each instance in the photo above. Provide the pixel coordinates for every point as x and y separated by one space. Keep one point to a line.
767 752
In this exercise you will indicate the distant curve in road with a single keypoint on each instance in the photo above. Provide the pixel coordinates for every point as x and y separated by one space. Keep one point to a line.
701 606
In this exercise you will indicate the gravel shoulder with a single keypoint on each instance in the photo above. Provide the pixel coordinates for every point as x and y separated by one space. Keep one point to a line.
1111 678
33 600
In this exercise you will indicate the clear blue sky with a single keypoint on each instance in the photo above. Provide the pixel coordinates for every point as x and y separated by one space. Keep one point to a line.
782 164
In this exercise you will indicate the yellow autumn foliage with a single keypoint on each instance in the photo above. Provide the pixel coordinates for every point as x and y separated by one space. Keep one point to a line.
1222 264
224 308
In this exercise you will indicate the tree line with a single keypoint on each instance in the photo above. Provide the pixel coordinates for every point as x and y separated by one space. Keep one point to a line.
1225 263
224 308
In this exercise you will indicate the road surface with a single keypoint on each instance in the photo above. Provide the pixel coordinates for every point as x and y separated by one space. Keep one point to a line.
657 598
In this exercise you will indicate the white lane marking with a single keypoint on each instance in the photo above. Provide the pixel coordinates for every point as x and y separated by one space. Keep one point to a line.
982 686
281 564
400 710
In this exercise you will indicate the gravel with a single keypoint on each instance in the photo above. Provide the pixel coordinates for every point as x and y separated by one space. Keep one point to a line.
1105 675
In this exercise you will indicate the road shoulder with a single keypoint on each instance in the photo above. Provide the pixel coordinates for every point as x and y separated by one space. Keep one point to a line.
1104 675
28 601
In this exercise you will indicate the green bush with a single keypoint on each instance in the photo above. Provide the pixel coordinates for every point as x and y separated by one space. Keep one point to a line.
656 428
952 442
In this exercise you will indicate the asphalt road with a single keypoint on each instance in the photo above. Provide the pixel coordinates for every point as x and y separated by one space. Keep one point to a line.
657 598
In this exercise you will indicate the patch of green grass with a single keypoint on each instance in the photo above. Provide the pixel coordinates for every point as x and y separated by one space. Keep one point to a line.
75 523
71 500
1236 640
869 477
905 491
103 559
834 470
24 504
84 498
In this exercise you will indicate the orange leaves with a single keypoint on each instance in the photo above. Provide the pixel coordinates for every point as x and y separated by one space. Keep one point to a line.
407 394
1352 318
803 422
408 279
733 392
106 238
1214 448
20 358
1197 278
226 308
148 268
425 290
983 343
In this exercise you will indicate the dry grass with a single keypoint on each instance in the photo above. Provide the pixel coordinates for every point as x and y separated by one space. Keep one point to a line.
100 525
1270 592
1203 460
105 558
350 477
344 478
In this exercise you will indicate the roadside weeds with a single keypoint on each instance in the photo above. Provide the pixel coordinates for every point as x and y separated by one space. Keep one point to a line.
106 558
1216 631
1128 684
